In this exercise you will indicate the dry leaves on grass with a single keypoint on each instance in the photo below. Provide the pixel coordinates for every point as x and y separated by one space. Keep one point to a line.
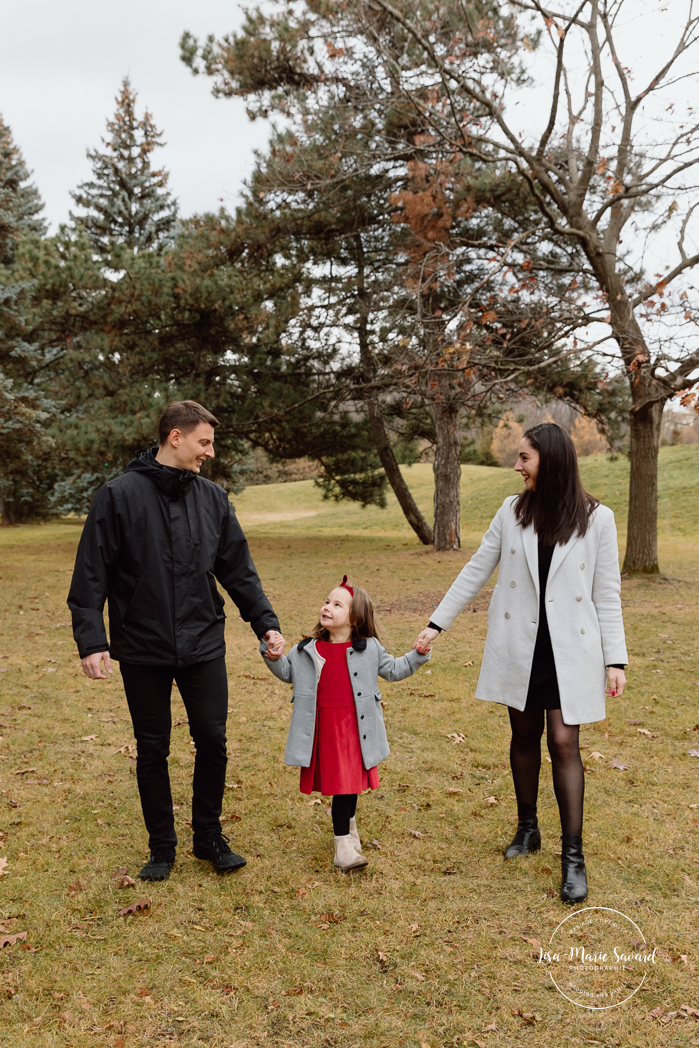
126 882
88 738
10 940
456 737
416 833
648 734
619 765
3 864
693 753
491 800
139 906
597 756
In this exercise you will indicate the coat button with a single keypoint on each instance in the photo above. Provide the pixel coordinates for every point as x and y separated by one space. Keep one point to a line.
364 736
359 693
351 651
356 671
362 717
507 614
582 567
582 629
512 550
513 585
577 598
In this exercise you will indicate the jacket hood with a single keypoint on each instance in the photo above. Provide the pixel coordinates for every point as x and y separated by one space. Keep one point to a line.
172 482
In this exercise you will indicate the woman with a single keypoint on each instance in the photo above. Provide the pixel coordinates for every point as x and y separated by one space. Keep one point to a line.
555 631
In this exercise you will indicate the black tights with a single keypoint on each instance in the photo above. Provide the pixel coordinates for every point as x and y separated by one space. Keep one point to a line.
525 759
343 809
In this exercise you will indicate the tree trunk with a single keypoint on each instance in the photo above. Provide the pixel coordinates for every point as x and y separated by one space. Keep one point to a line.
642 529
378 427
447 475
395 478
7 516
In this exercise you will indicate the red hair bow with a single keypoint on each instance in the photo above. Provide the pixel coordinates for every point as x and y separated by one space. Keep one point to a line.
348 588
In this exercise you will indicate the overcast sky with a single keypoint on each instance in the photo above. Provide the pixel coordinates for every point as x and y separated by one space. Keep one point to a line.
62 64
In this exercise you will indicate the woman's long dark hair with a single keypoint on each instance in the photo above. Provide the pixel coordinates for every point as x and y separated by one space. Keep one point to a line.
560 506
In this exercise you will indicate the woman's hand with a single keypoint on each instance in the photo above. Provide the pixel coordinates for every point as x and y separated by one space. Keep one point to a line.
616 681
423 644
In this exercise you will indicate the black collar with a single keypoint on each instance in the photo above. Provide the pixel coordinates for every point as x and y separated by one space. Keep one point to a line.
358 643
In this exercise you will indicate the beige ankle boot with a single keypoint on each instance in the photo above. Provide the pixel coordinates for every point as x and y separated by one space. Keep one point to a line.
346 858
354 834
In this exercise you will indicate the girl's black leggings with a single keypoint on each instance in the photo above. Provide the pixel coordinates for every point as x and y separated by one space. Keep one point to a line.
343 808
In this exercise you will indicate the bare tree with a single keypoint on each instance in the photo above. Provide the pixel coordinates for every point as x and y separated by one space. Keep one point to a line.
609 162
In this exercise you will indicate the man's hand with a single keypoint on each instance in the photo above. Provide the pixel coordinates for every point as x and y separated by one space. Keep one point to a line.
92 668
275 645
423 644
616 681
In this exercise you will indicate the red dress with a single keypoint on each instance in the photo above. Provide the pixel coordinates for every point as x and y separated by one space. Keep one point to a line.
336 762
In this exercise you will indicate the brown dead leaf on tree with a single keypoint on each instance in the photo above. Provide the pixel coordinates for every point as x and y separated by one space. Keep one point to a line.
10 940
139 906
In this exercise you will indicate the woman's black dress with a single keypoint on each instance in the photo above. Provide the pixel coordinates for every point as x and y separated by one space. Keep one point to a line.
543 684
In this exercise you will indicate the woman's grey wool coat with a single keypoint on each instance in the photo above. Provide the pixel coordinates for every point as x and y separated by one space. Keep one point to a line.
367 660
583 609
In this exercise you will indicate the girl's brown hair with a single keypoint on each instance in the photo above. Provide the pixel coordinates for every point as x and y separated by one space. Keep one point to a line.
363 619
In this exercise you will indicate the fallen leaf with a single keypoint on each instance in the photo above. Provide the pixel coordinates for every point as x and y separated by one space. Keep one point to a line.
618 764
490 1028
413 927
454 789
644 731
469 663
24 771
234 817
3 864
597 756
416 833
10 940
376 845
383 957
690 1011
532 942
656 1013
456 737
139 906
126 882
73 889
277 890
491 800
634 722
315 802
546 869
118 872
302 893
88 738
693 753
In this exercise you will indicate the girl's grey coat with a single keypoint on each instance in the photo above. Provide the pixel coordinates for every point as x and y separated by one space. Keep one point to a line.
583 609
367 661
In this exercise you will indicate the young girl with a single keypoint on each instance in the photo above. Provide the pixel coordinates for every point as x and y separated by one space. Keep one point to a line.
337 734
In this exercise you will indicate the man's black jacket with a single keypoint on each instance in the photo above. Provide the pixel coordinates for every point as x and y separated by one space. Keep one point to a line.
154 543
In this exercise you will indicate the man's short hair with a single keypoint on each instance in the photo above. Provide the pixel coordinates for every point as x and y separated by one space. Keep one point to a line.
184 415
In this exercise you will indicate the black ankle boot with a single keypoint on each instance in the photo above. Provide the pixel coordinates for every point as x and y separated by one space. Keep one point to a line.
159 865
527 838
574 875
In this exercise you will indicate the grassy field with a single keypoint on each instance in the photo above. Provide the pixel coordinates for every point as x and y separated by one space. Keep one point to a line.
427 946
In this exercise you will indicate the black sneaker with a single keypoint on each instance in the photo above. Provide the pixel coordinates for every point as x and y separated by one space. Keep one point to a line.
214 849
159 865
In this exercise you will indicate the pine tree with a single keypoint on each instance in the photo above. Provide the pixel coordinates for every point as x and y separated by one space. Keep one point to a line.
20 202
127 201
25 405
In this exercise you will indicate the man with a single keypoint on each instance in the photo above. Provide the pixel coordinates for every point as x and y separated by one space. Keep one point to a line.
155 541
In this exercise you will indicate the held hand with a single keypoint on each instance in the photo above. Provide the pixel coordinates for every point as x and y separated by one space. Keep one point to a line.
423 644
275 645
616 681
91 665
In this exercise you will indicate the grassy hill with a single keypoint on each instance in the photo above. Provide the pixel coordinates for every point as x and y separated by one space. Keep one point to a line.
434 944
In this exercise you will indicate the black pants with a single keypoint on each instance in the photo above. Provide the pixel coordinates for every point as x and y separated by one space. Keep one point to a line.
204 691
